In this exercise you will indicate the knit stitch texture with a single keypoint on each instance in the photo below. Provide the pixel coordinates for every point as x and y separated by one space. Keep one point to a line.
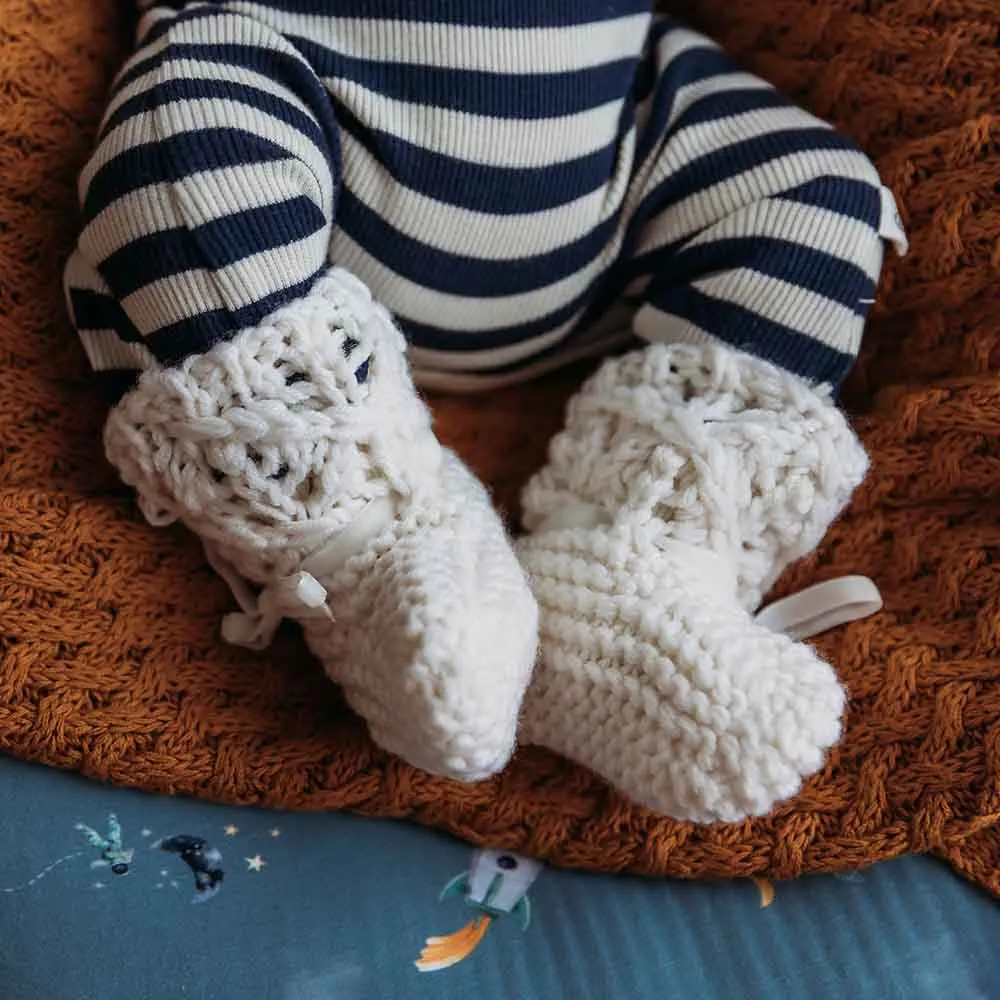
302 456
110 658
688 477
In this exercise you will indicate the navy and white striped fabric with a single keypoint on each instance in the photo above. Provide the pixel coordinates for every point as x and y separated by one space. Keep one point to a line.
499 172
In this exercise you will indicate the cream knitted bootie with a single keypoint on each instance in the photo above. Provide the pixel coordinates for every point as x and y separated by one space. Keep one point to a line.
303 457
686 479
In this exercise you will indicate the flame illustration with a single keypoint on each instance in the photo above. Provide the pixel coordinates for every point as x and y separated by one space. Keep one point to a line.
443 952
766 889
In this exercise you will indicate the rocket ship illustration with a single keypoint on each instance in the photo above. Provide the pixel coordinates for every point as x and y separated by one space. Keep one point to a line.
495 885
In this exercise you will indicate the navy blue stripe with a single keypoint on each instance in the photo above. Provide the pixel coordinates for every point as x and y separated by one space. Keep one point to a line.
113 383
480 188
748 331
176 158
690 66
465 276
189 89
275 64
856 199
721 165
283 67
646 74
158 30
95 311
487 370
433 338
167 24
180 17
137 69
520 96
212 245
172 344
726 103
813 270
478 92
491 13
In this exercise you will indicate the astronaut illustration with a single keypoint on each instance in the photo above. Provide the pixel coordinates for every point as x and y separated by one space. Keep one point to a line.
113 855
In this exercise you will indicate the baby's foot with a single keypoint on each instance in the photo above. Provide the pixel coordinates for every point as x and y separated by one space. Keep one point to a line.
301 454
686 479
654 677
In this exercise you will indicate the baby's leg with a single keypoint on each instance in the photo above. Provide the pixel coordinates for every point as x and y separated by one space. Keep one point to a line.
263 398
693 471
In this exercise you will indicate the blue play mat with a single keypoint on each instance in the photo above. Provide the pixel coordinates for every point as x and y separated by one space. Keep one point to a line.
114 895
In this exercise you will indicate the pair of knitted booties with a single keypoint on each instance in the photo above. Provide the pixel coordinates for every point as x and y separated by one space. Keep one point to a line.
686 479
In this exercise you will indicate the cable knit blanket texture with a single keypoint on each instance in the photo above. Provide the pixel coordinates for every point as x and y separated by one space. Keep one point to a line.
110 659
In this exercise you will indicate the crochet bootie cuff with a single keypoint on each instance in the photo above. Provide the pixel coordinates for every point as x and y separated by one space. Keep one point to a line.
274 441
708 446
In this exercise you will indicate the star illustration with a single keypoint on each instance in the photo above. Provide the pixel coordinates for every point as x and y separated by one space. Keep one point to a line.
98 885
255 864
145 832
275 833
231 830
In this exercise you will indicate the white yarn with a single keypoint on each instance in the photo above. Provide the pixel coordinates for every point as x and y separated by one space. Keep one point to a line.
269 443
444 636
710 446
711 471
302 456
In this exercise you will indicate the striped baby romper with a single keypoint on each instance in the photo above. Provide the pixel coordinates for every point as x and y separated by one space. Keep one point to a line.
296 208
498 173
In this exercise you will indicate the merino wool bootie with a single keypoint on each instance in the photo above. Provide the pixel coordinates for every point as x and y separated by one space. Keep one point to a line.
302 456
686 479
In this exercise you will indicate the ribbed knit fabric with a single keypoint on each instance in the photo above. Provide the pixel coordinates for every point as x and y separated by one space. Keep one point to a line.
498 174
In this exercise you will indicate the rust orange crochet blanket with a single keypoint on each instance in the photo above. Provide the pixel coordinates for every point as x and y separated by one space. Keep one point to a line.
110 661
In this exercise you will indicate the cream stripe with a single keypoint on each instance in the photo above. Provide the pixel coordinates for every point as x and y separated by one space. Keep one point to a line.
80 273
154 209
179 117
201 69
480 235
671 47
677 149
658 327
491 357
140 55
704 208
809 226
789 304
467 382
694 141
679 40
107 352
187 294
463 313
688 96
492 142
613 328
521 51
223 28
153 16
